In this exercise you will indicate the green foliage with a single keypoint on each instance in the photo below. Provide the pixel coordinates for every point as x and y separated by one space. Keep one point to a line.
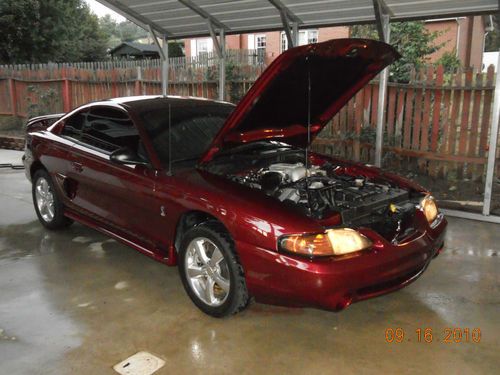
175 49
47 103
126 31
11 123
368 134
412 40
449 61
492 42
234 75
39 31
119 32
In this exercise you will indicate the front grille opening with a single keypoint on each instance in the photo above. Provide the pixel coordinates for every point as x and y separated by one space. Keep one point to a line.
388 285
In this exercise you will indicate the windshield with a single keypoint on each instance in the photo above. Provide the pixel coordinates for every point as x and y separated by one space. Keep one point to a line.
193 125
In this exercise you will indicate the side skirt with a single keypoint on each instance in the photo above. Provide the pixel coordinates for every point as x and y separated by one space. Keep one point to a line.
121 237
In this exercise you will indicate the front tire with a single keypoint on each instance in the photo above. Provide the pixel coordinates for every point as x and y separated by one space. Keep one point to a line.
210 271
48 206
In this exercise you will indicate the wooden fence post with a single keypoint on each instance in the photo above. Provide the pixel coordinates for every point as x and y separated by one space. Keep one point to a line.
13 96
138 82
114 87
66 90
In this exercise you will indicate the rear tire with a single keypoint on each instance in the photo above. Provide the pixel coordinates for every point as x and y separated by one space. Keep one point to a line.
210 272
48 205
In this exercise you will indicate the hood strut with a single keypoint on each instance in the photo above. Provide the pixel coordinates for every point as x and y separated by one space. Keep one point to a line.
306 163
169 172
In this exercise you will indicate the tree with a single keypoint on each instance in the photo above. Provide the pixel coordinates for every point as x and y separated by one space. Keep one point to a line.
38 31
130 31
127 31
411 39
492 43
109 27
449 61
117 33
175 49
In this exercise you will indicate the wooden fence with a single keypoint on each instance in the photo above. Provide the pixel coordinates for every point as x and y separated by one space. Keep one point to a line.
62 87
437 123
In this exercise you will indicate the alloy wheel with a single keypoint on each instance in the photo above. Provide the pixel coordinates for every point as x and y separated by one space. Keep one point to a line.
207 271
44 199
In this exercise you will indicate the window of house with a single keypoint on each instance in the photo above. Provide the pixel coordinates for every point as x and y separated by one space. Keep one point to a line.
260 47
202 46
305 37
260 42
312 36
284 42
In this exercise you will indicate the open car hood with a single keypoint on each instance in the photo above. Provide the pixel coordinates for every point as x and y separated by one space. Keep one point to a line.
276 107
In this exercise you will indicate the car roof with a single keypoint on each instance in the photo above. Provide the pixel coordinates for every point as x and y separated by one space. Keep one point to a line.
139 102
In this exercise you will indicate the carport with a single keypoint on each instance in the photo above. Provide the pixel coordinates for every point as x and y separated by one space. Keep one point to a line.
179 19
78 302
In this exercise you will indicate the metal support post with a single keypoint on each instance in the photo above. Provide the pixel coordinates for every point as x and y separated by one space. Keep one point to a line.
490 167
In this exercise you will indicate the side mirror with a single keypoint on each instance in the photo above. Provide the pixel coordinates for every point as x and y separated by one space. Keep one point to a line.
127 156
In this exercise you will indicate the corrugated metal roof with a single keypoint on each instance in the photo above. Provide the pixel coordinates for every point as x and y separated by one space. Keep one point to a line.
188 18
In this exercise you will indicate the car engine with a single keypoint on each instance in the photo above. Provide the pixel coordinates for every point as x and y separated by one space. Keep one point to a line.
320 190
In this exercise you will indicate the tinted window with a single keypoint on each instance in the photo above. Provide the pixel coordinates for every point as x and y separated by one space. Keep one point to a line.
73 125
106 129
193 126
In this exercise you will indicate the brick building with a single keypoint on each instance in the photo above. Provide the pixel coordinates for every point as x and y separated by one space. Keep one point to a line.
462 35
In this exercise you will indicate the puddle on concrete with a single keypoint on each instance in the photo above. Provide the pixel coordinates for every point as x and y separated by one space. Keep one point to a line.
69 309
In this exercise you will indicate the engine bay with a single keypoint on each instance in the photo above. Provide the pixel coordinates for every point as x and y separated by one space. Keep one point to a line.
320 191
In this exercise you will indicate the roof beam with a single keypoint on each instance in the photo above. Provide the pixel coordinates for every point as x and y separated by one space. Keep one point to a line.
283 9
217 45
155 40
382 16
386 8
135 17
288 31
287 17
203 13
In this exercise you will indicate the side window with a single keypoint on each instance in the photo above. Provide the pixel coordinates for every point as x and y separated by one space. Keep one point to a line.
73 126
108 129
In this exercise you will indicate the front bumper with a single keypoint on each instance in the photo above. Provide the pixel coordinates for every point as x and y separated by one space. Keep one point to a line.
334 284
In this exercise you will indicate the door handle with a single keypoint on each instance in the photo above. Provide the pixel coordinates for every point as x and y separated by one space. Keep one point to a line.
78 167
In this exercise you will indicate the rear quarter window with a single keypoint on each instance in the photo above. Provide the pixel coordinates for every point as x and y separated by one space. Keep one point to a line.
102 128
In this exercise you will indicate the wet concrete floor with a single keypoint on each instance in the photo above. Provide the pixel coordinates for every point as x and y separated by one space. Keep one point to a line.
75 302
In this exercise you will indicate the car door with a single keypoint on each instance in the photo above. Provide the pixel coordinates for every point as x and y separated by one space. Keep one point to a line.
58 157
119 196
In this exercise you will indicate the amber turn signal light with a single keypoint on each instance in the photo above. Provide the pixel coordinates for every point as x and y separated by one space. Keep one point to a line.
334 242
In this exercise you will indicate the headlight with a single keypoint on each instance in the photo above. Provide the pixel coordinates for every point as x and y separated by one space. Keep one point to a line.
429 208
334 242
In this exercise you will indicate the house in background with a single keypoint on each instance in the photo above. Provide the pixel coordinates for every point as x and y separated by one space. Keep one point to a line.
268 45
462 35
135 51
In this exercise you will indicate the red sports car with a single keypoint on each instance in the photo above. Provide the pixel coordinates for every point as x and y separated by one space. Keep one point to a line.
233 196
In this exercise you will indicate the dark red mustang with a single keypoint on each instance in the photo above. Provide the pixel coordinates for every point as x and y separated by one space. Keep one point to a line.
233 196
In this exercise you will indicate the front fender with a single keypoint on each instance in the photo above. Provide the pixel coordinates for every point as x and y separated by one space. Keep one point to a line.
248 214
